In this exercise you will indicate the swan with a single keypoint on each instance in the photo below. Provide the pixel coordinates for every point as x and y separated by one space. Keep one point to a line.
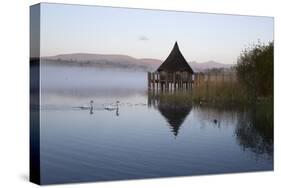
112 107
86 107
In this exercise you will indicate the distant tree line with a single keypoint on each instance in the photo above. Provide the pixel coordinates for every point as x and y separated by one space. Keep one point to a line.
255 70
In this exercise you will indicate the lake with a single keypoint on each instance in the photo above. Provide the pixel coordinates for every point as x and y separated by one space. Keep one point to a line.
147 136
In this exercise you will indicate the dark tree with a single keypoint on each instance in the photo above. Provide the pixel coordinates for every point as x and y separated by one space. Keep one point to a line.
255 70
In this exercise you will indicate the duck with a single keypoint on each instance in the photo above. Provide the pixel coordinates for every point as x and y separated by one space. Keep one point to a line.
112 107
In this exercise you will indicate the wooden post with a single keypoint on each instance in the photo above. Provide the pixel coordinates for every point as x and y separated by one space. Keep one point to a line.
157 83
153 81
179 81
187 80
195 79
182 80
148 80
174 81
160 82
166 81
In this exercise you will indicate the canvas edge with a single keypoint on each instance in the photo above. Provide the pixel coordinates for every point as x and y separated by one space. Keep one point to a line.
34 94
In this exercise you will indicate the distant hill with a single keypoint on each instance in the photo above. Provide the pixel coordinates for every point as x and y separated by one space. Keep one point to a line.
122 61
201 67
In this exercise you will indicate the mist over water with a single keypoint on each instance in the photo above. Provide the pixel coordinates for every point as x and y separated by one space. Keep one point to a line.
88 83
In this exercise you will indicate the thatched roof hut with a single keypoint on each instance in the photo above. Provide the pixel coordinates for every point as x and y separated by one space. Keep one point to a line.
175 62
173 74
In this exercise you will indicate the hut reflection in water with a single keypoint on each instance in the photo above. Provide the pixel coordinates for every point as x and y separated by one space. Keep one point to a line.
171 108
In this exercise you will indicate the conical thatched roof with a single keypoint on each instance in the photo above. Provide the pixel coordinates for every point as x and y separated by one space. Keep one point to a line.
175 62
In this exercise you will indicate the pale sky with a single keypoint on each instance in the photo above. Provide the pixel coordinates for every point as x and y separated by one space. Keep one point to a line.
149 33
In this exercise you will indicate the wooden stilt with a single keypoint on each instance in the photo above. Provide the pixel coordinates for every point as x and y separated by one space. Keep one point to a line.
171 82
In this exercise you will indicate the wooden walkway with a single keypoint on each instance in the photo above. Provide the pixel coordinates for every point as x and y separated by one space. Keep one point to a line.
182 81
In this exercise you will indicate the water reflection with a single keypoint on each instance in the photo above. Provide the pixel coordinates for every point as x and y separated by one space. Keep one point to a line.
254 130
173 110
117 112
253 125
99 144
217 116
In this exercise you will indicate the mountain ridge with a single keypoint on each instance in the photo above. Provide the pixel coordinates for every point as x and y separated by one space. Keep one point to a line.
124 61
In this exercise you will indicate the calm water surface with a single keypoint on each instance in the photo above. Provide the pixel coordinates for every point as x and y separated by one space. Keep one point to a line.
145 137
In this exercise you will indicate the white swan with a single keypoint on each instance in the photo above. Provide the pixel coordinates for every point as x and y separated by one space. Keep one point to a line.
86 107
112 107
